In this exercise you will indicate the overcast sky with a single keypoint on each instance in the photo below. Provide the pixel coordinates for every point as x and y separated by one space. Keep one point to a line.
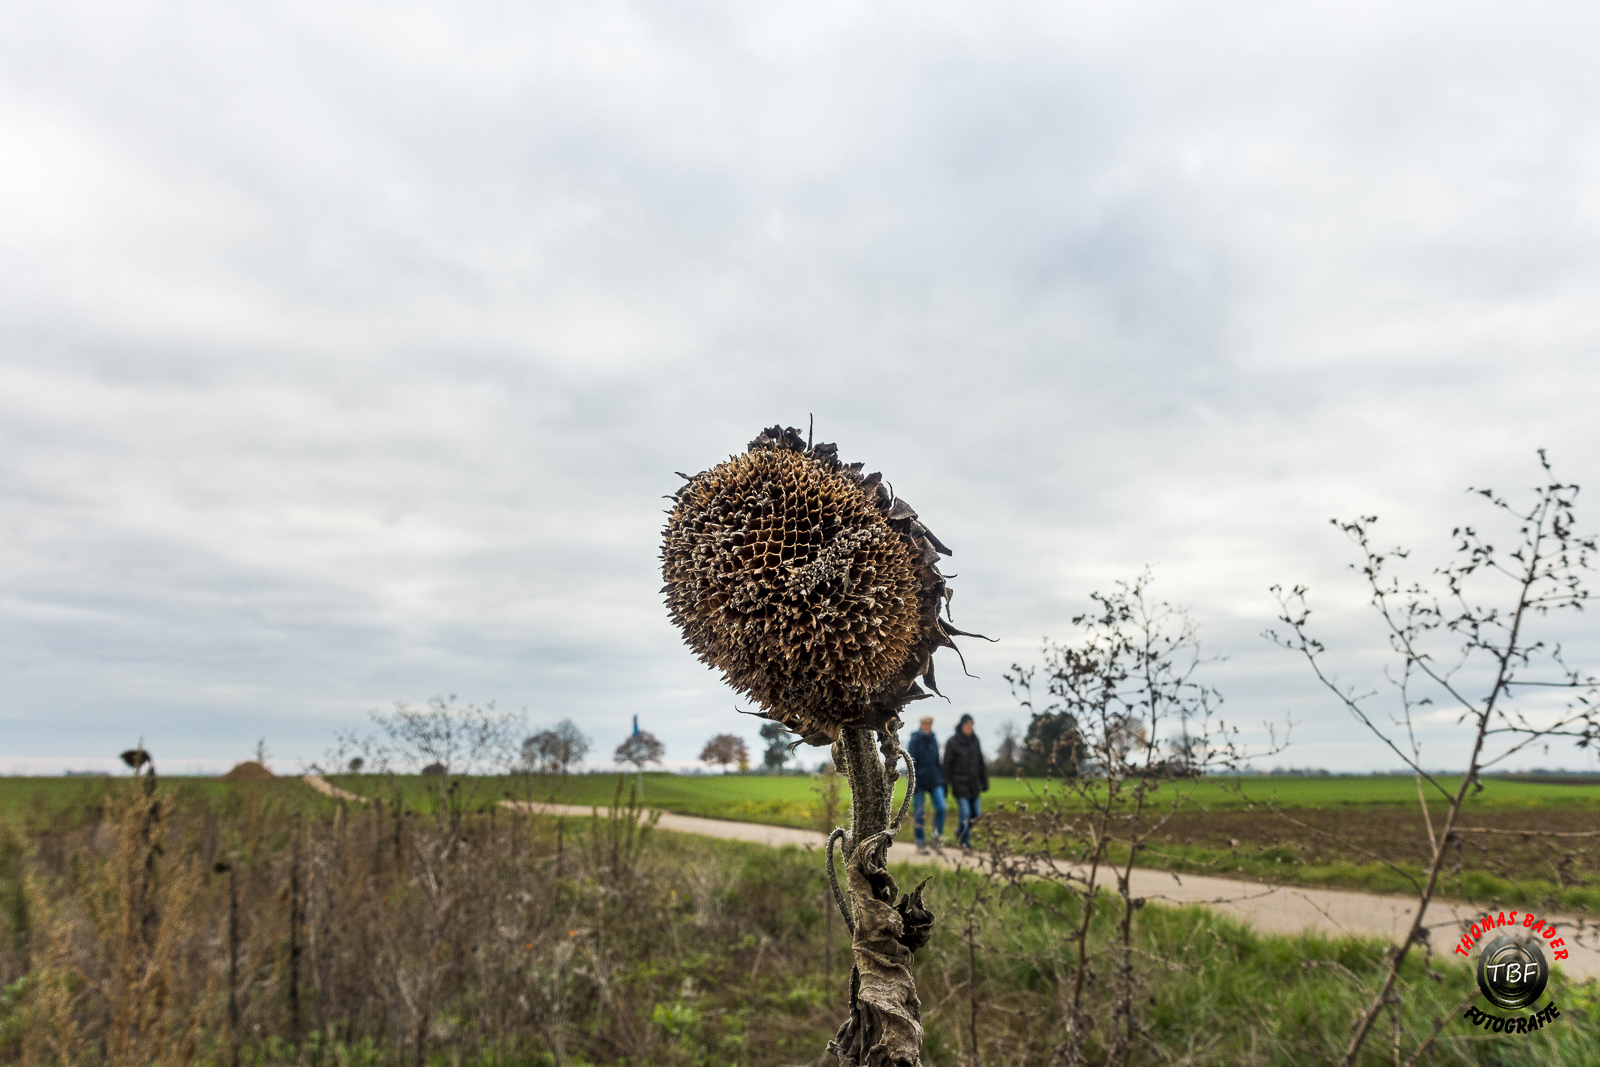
347 350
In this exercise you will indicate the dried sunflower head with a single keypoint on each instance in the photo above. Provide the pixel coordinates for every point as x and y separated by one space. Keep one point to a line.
812 589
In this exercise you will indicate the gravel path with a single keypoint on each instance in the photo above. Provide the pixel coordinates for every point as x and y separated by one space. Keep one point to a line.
328 789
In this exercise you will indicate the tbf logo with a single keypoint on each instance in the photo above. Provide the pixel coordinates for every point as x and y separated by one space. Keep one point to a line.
1513 972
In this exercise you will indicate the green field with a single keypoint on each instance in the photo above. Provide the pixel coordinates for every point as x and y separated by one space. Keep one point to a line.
40 804
787 800
1225 827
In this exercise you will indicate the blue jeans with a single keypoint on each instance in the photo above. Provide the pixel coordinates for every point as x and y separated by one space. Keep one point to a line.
937 793
969 811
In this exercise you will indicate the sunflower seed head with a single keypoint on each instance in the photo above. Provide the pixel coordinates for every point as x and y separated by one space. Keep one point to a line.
811 588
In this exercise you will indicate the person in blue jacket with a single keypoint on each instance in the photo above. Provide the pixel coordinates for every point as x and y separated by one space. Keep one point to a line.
923 748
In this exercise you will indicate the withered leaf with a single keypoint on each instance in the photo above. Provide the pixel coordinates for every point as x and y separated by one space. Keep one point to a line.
916 921
885 1024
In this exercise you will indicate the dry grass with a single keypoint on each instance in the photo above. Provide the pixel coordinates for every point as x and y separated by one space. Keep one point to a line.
381 936
364 938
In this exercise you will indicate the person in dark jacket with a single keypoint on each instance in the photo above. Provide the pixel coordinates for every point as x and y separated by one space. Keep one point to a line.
965 776
923 748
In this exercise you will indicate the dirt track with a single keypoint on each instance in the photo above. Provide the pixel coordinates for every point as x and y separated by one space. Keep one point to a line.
1270 910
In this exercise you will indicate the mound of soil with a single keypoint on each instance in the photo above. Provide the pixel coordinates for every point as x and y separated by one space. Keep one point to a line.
248 771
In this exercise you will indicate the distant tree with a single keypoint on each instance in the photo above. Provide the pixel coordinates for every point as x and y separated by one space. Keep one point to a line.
557 750
463 739
778 752
639 749
573 744
536 752
1125 734
1005 757
724 749
1053 746
446 742
1186 754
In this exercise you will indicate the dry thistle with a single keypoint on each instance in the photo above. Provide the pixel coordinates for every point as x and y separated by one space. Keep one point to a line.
818 594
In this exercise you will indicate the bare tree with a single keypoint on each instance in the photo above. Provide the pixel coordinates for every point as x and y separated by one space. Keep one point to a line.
538 753
1110 700
639 749
1467 644
725 749
441 740
461 738
1005 756
556 750
572 744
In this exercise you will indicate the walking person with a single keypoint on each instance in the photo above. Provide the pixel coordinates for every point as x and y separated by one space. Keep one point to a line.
923 748
966 777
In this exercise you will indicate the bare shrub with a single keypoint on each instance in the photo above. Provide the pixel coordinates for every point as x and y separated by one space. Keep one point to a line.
1466 638
1112 704
447 742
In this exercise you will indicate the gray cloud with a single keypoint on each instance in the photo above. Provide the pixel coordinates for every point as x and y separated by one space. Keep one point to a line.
345 355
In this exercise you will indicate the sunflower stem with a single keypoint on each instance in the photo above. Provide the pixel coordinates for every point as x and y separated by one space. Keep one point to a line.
869 792
884 1026
872 797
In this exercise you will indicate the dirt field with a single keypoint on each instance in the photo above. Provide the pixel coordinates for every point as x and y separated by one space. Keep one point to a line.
1350 848
1397 835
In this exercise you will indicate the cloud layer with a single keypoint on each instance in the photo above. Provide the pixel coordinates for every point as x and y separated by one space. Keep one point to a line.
345 355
